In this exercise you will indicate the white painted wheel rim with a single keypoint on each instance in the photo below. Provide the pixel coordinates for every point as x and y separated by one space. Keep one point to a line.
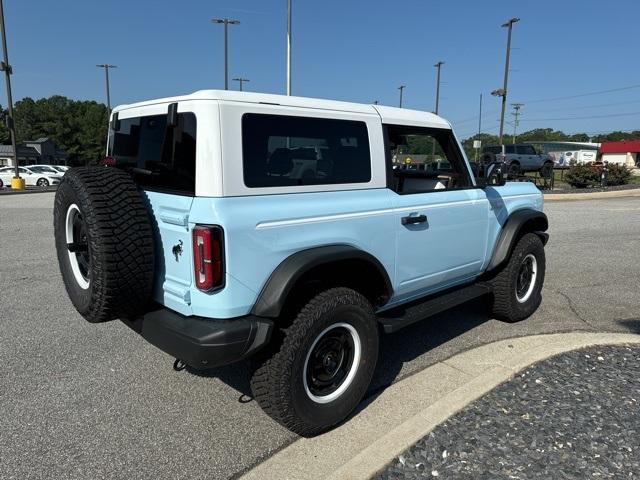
353 369
530 258
72 212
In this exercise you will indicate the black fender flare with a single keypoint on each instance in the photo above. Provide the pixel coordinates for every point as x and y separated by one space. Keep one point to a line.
272 298
535 220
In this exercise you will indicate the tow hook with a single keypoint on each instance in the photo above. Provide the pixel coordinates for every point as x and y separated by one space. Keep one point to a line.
179 365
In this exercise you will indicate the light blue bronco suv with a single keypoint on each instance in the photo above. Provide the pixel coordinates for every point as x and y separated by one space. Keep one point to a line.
227 225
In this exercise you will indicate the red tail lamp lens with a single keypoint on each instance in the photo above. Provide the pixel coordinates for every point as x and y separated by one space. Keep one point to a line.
207 257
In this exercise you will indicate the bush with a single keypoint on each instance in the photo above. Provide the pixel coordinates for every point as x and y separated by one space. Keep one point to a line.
588 175
582 176
618 175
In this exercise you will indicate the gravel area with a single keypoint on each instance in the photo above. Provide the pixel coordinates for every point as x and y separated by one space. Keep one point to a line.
574 416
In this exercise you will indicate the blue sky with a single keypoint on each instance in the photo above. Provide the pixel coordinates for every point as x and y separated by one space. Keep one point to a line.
353 50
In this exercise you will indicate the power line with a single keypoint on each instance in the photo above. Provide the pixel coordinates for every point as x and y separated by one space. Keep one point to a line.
542 100
629 114
587 94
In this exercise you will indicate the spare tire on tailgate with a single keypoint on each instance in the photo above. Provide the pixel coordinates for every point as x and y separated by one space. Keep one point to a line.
104 242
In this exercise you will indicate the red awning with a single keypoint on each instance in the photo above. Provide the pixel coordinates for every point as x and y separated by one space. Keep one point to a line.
632 146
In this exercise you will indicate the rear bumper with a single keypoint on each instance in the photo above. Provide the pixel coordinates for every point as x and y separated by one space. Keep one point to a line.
205 342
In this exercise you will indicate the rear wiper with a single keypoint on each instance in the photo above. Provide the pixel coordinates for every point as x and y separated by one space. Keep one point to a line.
143 171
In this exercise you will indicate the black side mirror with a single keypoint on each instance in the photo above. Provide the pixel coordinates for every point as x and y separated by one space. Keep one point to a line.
494 174
172 115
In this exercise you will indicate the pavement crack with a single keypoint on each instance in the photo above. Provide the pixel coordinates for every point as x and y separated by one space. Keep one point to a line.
573 309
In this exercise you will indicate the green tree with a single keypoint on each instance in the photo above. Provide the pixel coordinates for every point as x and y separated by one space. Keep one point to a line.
5 135
78 127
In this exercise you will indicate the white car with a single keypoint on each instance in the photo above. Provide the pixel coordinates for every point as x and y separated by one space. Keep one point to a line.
46 169
31 177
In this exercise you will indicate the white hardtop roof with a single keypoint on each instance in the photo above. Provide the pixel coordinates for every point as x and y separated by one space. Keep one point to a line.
391 115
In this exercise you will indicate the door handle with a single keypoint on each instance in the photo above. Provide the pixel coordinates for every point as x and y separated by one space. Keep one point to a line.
415 219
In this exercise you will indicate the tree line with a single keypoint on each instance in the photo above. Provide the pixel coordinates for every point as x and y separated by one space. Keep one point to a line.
79 127
548 135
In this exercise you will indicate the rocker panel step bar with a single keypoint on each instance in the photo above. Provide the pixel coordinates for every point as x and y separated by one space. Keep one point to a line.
398 318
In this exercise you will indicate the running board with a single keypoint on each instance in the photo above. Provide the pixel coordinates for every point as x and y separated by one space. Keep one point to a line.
400 317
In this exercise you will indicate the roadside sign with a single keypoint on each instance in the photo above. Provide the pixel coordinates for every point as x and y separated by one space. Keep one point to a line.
477 143
407 160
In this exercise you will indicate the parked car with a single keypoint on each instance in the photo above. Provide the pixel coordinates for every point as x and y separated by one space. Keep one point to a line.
31 177
216 246
60 168
517 158
46 169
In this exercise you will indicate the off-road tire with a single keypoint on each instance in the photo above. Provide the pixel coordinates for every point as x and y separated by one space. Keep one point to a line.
120 243
505 304
277 382
546 171
488 158
513 170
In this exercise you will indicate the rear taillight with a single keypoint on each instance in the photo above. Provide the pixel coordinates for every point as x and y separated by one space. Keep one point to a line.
108 162
207 257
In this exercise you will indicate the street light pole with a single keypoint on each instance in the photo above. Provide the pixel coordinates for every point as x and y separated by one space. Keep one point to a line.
479 125
106 67
438 66
289 35
516 120
5 66
226 22
401 88
240 80
503 93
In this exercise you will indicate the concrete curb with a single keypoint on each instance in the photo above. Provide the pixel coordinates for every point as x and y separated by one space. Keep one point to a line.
406 411
562 197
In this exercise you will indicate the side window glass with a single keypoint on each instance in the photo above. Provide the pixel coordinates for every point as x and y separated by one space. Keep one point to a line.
526 150
509 149
279 150
425 160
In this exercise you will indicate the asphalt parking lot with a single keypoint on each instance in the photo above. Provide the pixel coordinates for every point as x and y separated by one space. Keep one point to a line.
95 401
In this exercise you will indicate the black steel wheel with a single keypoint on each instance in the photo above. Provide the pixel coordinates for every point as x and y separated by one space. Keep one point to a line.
517 286
317 370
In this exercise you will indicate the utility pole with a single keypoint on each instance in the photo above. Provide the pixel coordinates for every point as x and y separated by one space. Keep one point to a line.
5 66
503 91
479 127
401 88
289 35
438 66
106 67
226 22
240 80
516 121
480 117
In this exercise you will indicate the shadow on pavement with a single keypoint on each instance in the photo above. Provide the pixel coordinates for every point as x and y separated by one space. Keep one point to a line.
630 324
395 349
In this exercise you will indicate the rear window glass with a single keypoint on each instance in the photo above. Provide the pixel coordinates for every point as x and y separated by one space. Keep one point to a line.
159 157
280 151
